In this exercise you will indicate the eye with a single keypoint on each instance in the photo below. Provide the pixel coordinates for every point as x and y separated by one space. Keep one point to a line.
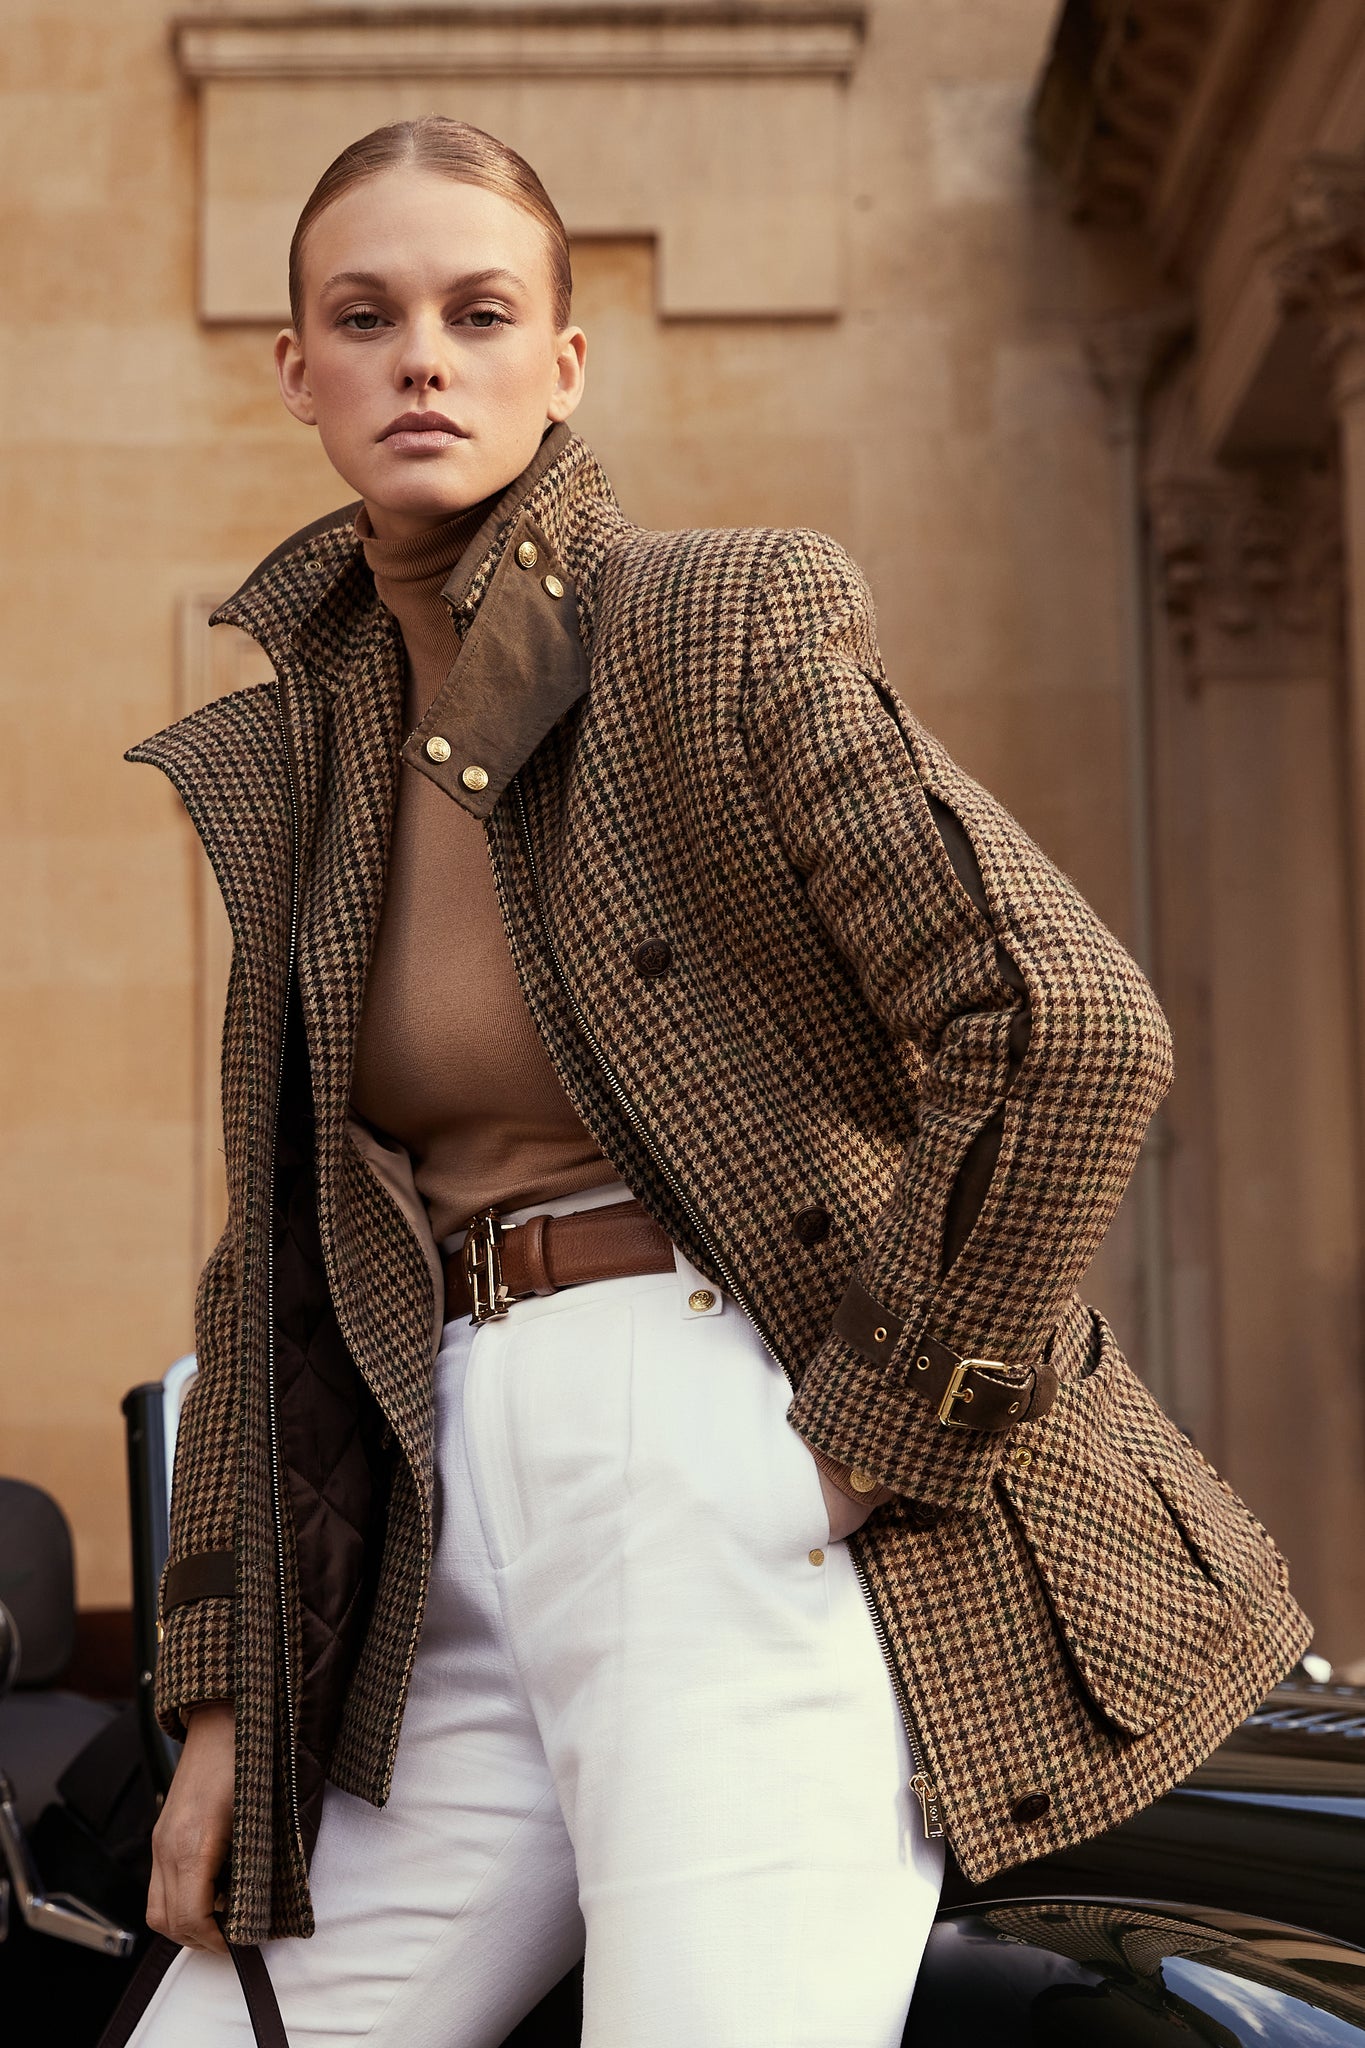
484 317
360 320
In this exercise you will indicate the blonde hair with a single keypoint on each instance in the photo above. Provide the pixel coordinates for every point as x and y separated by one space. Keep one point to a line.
434 142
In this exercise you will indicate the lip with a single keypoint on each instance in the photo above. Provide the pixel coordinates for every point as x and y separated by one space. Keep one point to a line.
422 431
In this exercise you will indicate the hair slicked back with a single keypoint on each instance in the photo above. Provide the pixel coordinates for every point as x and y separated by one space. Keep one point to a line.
453 149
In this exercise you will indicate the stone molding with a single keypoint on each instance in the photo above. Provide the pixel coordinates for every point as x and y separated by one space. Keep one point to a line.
1249 572
1126 351
1118 81
1317 254
717 132
632 40
1247 558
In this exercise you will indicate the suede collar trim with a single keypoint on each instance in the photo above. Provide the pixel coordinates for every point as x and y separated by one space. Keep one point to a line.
521 667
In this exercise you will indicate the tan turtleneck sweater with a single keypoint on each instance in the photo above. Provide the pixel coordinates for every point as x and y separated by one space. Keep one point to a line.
448 1059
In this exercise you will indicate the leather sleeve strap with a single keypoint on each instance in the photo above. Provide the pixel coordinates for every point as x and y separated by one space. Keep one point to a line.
206 1575
989 1395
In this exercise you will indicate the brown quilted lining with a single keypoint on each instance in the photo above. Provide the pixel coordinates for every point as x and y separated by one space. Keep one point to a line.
335 1466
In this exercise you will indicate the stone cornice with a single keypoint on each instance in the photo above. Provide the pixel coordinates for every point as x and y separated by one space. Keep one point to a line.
1247 557
1317 255
599 40
1118 79
1142 103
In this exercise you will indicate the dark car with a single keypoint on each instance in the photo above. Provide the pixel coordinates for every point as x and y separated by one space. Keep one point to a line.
1230 1912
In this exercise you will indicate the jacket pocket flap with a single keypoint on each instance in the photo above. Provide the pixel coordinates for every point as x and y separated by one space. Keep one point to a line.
1150 1562
1139 1616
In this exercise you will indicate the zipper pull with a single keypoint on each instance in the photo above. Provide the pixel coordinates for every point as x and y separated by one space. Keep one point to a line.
928 1806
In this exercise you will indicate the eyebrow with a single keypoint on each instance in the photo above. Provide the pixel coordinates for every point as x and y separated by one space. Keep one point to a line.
371 281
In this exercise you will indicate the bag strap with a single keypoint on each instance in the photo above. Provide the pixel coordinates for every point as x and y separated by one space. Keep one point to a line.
263 2010
141 1989
262 2007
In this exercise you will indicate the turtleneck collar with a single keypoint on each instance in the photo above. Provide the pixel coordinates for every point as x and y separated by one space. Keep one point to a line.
409 577
426 555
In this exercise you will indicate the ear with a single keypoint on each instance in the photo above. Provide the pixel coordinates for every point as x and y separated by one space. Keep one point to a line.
571 355
292 371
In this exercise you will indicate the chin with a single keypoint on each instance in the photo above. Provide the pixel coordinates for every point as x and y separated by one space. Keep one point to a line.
427 499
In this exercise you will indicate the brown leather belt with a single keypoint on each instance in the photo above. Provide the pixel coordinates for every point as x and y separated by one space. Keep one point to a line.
499 1263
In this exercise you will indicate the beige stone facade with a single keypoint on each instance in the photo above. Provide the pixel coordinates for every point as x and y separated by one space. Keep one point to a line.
827 280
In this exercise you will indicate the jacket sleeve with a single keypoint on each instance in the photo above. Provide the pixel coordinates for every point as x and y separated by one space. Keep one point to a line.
194 1661
1041 1049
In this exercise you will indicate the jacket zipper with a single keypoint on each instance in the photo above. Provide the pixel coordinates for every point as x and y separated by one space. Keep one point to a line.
920 1782
272 1411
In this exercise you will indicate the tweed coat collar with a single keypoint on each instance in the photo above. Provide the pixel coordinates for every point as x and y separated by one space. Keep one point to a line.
320 798
312 607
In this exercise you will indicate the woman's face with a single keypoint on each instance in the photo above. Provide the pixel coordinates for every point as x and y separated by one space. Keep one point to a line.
428 357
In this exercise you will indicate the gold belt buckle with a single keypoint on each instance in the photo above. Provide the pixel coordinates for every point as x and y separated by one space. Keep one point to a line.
483 1267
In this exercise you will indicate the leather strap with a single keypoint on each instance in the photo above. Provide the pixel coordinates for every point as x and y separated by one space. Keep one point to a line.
263 2010
138 1993
966 1393
549 1252
267 2025
205 1575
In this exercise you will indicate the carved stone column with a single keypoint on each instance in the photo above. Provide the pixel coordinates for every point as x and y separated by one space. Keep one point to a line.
1123 355
1318 261
1263 1180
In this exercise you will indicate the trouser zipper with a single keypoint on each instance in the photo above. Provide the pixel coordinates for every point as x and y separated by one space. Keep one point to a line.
920 1783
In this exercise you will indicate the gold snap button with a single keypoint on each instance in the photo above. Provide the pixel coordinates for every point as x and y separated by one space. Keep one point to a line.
437 748
474 778
880 1333
860 1481
528 554
816 1556
1020 1457
701 1298
554 586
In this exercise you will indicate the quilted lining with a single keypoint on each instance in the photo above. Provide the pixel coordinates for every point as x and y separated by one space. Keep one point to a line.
331 1436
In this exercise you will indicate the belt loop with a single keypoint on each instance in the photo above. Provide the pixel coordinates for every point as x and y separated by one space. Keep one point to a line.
533 1242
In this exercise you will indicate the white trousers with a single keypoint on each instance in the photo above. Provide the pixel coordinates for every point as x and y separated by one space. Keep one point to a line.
649 1724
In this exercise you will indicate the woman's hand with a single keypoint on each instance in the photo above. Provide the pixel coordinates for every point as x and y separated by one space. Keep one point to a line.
190 1840
847 1512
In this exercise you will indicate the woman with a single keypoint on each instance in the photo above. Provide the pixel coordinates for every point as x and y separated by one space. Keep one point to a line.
650 1480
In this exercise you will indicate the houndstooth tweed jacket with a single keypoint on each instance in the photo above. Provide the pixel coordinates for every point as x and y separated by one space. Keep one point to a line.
847 1034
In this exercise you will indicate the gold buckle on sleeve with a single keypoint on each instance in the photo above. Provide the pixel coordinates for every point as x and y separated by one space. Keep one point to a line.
483 1267
954 1391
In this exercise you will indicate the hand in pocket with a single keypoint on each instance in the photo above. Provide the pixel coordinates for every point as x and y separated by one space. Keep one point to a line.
846 1513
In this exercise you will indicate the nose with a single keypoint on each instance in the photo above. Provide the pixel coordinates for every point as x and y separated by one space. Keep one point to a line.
422 363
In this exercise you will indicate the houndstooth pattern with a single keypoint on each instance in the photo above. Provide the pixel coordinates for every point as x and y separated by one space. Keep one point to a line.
835 1029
